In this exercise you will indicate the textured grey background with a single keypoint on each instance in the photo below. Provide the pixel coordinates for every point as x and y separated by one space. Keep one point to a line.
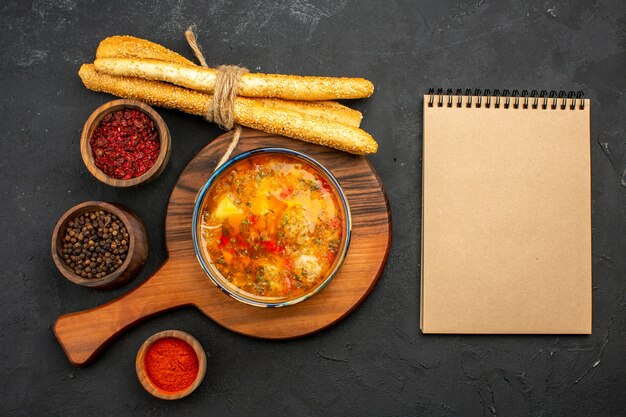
375 362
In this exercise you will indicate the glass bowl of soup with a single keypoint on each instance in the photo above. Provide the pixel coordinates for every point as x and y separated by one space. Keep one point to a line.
271 227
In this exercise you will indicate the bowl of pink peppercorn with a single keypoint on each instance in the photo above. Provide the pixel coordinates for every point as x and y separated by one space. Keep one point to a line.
125 143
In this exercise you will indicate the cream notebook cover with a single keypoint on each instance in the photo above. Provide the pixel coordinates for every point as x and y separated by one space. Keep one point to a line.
506 214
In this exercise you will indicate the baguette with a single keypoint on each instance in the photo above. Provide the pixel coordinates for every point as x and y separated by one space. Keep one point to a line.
322 109
137 48
290 87
247 112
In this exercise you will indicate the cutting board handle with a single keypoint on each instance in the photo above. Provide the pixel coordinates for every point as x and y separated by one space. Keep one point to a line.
84 334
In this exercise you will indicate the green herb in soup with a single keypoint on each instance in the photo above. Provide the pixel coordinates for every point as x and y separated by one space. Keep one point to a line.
272 225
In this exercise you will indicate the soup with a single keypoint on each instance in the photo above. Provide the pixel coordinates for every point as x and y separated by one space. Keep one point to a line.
272 225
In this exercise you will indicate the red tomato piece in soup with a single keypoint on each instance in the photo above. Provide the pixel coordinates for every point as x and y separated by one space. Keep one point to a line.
272 225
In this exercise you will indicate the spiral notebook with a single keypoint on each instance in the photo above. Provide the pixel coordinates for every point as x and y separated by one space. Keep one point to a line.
506 219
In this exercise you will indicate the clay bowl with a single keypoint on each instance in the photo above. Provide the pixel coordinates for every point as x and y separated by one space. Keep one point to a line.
145 379
137 249
94 120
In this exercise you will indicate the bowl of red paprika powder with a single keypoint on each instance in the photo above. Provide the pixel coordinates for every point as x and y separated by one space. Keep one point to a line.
125 143
171 364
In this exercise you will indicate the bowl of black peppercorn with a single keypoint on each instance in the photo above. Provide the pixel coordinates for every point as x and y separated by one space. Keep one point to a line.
99 245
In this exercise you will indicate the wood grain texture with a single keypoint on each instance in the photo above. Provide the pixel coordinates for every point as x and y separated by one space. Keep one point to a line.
181 281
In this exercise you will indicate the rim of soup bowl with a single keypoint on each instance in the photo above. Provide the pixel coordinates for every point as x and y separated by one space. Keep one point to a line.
236 292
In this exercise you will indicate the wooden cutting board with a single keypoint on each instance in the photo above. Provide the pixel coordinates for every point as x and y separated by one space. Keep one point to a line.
181 281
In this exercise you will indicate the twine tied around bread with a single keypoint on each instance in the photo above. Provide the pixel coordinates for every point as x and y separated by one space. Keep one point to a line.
222 108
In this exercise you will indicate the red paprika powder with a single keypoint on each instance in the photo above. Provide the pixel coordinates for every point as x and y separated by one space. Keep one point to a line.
171 364
125 144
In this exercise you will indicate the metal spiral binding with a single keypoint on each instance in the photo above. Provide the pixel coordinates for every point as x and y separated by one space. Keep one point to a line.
544 100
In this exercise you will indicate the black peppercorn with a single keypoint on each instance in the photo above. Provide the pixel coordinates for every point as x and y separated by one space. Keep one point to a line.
96 244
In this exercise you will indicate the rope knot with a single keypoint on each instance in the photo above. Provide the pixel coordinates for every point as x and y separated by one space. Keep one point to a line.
222 109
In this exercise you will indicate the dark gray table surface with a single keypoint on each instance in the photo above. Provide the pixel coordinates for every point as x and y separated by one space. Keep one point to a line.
376 361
